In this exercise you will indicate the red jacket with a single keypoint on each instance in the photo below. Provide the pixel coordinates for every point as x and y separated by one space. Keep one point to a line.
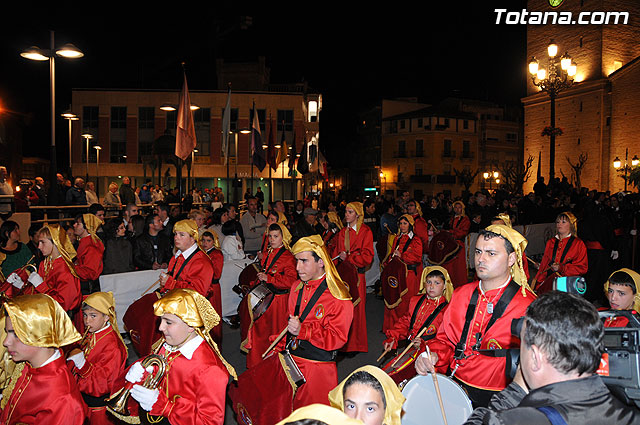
360 252
196 275
575 262
401 329
421 229
59 284
460 227
88 263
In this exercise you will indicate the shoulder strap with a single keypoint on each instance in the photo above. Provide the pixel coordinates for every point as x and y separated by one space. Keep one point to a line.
406 246
471 310
275 258
553 415
566 248
414 316
503 302
432 317
314 298
184 263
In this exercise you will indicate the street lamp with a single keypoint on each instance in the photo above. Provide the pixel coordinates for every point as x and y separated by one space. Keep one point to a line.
383 177
69 116
491 176
98 149
87 137
34 53
617 164
557 77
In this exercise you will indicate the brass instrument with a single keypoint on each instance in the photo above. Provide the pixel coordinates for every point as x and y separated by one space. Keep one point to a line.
117 403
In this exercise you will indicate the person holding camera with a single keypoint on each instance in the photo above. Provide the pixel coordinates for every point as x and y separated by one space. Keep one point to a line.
475 335
560 351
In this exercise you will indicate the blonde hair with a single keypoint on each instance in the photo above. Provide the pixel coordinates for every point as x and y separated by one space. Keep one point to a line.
113 184
196 213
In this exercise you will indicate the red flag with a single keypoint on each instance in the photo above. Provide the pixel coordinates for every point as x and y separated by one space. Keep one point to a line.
186 130
271 149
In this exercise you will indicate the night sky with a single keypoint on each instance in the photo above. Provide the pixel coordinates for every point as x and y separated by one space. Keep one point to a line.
353 56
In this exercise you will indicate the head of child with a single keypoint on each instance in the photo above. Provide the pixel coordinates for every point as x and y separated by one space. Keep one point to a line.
93 319
364 398
434 284
621 291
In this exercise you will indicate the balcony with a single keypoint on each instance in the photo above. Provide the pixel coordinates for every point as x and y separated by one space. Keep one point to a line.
417 154
399 154
448 154
467 155
420 178
446 179
441 127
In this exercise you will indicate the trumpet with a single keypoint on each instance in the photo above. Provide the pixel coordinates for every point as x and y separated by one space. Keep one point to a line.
117 403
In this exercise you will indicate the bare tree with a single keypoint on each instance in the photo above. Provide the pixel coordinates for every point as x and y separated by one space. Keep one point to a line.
466 177
515 175
577 167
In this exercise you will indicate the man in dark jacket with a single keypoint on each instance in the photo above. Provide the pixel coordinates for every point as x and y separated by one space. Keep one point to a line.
152 249
560 350
76 194
127 194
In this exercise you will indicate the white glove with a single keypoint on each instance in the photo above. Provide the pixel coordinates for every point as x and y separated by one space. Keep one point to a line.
145 396
614 255
35 279
15 280
136 372
78 359
633 232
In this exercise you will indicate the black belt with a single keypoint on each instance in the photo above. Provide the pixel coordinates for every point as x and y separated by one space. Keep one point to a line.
306 350
412 267
275 290
362 270
215 281
93 401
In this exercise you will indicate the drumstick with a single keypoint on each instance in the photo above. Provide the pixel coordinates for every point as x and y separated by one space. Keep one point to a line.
384 353
335 258
275 342
437 386
149 288
408 347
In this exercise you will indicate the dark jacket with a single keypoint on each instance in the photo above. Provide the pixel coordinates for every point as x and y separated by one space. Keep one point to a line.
144 253
127 195
579 401
118 256
76 196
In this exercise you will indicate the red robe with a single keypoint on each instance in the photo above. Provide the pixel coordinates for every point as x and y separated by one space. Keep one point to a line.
575 262
46 395
196 275
192 391
105 356
282 275
401 329
412 257
360 254
477 370
421 229
215 293
457 266
59 284
88 263
326 327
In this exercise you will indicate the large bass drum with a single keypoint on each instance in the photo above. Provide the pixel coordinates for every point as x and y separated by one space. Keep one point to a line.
349 274
442 248
422 402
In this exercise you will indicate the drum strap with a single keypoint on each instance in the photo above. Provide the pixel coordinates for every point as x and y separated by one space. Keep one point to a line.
314 299
552 415
275 258
564 252
498 311
184 263
431 317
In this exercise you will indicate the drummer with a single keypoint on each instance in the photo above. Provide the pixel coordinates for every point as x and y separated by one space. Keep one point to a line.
370 395
102 356
501 295
408 248
272 217
279 274
211 246
355 245
505 219
426 310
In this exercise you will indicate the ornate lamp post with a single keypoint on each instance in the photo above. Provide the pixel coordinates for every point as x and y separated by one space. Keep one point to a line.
557 77
617 164
491 176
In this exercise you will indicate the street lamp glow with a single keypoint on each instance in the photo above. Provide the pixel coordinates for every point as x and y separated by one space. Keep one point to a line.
485 175
552 49
635 161
496 174
565 61
245 131
617 163
69 115
34 53
194 107
69 51
87 136
98 148
572 69
168 107
533 66
542 74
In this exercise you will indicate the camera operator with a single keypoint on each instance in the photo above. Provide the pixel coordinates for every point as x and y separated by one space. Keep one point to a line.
561 346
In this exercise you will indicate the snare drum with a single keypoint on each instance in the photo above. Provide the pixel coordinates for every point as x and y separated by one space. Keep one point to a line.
422 401
259 300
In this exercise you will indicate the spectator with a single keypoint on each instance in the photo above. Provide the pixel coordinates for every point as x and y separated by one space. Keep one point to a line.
298 213
218 218
33 243
112 198
118 252
61 191
135 227
127 195
92 197
98 211
260 197
253 226
231 245
162 209
172 196
15 253
25 197
145 194
233 215
152 249
40 190
216 202
130 211
136 193
76 195
157 195
5 189
198 216
371 218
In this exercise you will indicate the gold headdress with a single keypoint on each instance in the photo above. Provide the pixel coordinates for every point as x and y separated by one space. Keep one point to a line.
392 394
314 243
448 285
194 310
519 244
105 304
282 218
91 223
357 207
636 280
407 217
286 235
65 248
320 412
572 220
333 218
190 227
505 219
462 205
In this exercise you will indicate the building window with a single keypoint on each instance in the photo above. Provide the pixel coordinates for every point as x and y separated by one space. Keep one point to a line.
285 118
393 126
402 125
202 124
402 148
466 149
447 148
419 122
118 135
512 137
172 122
418 168
446 122
446 168
146 124
465 124
90 126
419 148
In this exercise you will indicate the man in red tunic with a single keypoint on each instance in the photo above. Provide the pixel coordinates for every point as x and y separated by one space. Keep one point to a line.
502 291
189 268
355 245
88 262
41 390
459 224
211 245
420 226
